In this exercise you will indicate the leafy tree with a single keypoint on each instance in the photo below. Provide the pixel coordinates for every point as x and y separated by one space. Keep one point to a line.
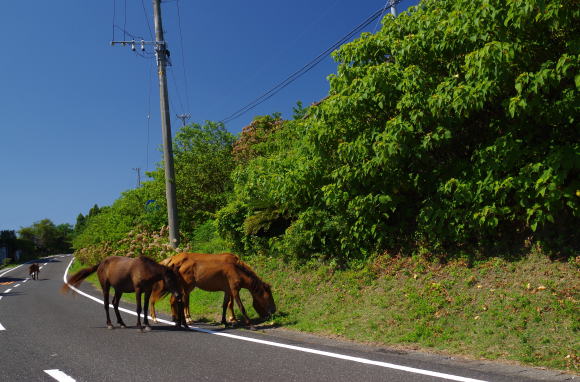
134 208
203 163
9 241
45 238
454 126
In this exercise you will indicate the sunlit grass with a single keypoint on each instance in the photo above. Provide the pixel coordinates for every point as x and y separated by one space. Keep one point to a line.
525 310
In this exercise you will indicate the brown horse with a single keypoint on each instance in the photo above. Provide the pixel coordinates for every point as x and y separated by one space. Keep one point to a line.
33 271
222 272
127 274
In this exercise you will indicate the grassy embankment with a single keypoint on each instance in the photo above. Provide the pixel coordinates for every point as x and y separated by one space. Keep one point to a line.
524 310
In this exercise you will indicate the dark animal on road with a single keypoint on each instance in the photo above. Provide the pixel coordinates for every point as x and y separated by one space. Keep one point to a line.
221 272
33 271
128 275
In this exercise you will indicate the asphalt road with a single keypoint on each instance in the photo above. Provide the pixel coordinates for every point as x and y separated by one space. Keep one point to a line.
47 336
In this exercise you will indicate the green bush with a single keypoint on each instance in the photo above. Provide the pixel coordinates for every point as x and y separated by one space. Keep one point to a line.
451 130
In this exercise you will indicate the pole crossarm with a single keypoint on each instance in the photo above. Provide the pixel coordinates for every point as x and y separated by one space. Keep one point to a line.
134 43
160 47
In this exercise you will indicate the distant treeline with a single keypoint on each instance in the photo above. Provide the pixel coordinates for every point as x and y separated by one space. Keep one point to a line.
452 131
40 239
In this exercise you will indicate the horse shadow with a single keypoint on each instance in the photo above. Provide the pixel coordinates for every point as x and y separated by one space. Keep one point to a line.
10 280
11 294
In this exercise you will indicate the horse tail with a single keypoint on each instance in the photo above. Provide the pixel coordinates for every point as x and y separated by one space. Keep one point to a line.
78 277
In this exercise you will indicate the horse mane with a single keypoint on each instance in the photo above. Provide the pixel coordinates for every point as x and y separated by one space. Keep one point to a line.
246 269
147 259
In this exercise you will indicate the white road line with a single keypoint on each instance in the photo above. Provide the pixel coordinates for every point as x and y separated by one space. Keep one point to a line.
298 348
59 375
7 290
2 327
11 269
16 286
25 280
39 268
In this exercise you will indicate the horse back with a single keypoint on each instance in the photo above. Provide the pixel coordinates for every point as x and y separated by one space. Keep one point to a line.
117 272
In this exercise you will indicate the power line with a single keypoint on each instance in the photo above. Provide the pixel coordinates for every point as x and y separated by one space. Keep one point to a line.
147 20
182 55
176 88
300 72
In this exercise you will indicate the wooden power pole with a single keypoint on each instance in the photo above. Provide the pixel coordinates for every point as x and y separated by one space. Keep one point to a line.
161 53
162 61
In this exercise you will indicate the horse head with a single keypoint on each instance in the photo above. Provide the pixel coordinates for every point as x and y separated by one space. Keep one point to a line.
172 282
263 300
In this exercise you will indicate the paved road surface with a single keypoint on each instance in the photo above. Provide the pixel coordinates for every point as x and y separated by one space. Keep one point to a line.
47 336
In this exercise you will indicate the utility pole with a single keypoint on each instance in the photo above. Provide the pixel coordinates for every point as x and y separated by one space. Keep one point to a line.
138 169
393 8
161 53
183 117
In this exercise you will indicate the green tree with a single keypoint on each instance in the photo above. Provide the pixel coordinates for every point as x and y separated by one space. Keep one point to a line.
454 126
45 238
203 163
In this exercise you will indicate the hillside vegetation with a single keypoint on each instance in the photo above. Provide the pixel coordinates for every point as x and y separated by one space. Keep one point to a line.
437 185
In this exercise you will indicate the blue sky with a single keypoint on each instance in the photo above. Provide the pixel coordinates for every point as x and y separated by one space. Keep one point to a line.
73 109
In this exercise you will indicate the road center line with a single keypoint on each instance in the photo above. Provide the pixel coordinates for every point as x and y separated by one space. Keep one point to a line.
296 348
59 375
2 327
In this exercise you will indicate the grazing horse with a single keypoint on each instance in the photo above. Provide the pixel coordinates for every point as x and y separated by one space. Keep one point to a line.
127 274
33 271
222 272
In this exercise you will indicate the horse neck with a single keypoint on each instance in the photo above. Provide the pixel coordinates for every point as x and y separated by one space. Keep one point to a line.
252 279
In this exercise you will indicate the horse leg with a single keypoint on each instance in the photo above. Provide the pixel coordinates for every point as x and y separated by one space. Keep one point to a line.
116 300
226 303
232 316
138 300
152 300
236 296
106 287
145 306
173 305
188 318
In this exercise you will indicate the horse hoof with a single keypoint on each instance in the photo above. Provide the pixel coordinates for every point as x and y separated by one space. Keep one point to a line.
110 327
148 328
123 326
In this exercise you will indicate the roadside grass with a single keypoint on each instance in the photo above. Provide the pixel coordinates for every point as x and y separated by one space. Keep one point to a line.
524 311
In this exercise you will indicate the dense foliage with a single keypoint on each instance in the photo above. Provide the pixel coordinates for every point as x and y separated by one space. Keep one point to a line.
452 130
203 163
454 127
40 239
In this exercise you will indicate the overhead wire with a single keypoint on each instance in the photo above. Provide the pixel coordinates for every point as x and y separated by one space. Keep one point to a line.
182 56
170 70
114 12
147 20
387 3
306 68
